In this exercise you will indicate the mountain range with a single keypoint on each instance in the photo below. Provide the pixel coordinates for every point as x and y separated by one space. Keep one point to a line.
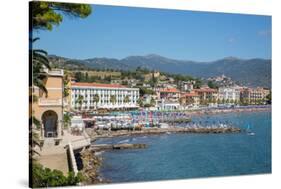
249 72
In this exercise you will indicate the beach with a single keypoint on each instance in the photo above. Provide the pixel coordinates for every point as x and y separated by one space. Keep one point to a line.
104 136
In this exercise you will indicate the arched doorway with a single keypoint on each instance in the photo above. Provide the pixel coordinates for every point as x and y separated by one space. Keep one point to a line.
50 122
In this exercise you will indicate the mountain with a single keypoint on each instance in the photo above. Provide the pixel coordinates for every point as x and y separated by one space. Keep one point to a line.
250 72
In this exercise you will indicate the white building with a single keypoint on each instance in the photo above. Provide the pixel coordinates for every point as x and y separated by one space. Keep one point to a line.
109 96
229 94
77 122
168 106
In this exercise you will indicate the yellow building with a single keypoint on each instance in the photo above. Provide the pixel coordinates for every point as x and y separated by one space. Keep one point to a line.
49 109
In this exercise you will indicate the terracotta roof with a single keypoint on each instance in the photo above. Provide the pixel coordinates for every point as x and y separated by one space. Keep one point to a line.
205 90
190 94
170 90
84 84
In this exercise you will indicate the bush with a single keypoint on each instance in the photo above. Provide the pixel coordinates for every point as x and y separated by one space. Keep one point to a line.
45 177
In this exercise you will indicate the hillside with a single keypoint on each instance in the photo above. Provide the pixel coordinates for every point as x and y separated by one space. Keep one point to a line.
250 72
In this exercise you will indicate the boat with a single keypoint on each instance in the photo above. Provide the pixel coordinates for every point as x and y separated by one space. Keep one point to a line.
249 132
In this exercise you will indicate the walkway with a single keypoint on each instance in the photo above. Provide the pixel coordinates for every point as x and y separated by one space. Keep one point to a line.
55 156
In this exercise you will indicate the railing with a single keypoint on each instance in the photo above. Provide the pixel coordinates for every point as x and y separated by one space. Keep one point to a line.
55 72
49 102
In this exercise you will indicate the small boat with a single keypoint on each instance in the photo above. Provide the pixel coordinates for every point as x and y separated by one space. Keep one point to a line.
249 132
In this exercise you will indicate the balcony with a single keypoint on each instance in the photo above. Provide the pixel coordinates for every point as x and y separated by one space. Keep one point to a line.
49 102
54 72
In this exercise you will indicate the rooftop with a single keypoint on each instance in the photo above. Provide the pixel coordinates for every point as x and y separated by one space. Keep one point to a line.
170 90
205 90
192 94
84 84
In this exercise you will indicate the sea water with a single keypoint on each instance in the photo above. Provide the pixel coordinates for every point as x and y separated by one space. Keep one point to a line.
180 156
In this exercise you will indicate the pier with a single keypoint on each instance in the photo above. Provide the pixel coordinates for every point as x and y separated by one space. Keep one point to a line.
103 147
95 134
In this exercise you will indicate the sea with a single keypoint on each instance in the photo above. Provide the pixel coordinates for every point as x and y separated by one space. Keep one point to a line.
183 156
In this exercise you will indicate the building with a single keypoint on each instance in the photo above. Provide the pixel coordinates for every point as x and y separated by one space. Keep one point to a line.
169 94
87 96
168 105
254 95
48 109
229 94
191 98
186 85
207 95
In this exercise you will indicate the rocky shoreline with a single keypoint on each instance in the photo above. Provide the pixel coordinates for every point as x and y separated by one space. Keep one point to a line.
91 164
96 134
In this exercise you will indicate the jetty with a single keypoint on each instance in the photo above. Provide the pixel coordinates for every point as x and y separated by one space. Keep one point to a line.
103 147
96 134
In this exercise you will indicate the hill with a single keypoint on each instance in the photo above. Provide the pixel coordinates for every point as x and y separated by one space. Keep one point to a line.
250 72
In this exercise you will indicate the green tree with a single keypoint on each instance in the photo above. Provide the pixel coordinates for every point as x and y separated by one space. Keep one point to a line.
45 177
140 102
112 99
66 80
45 15
96 99
66 119
39 62
79 101
212 85
126 99
268 98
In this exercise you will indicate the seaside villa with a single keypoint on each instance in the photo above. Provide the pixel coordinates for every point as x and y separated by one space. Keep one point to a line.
87 96
49 109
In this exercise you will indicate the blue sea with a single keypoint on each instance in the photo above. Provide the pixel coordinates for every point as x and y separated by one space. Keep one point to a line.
180 156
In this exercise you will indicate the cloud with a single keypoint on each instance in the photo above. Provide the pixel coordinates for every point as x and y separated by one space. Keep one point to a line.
264 33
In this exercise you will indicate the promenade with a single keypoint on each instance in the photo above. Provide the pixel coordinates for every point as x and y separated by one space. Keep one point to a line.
55 156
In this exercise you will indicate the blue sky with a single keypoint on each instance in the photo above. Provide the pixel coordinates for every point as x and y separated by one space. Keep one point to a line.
118 32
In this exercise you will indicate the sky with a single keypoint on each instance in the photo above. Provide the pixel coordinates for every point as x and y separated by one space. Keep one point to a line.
118 32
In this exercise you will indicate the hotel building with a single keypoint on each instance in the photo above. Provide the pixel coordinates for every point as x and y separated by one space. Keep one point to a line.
207 94
231 94
102 96
191 98
254 95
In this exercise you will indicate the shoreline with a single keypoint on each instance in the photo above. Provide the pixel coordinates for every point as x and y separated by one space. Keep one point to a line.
97 134
213 111
159 131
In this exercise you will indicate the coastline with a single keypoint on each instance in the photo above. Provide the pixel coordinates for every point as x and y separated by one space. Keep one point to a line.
96 156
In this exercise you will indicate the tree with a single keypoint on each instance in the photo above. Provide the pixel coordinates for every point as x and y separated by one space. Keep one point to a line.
39 62
140 102
45 177
268 98
66 81
112 99
126 99
45 15
66 119
79 101
212 85
96 99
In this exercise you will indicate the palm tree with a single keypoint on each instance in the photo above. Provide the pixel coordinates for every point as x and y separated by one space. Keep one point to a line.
66 119
126 99
140 102
39 62
80 101
113 99
96 99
